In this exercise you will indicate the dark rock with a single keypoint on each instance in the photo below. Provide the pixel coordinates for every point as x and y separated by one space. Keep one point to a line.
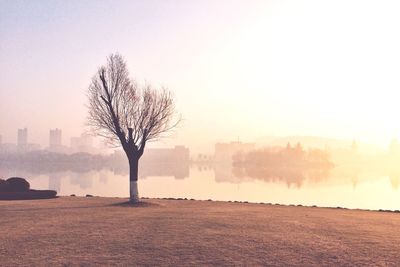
31 194
16 188
73 195
89 195
17 184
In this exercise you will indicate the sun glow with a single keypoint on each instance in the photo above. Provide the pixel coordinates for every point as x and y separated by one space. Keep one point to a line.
315 69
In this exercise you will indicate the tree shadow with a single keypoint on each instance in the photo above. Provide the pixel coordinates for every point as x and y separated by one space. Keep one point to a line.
127 204
26 199
140 204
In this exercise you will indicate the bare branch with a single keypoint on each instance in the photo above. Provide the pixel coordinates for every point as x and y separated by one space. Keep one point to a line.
126 114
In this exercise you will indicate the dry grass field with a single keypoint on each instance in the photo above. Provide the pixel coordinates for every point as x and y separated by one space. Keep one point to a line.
77 231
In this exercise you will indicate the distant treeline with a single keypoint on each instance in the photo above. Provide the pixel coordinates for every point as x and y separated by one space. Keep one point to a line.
43 161
284 157
291 165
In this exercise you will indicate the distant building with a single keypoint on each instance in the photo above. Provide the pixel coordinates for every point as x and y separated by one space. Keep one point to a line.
22 145
55 138
8 148
22 142
32 147
84 143
22 139
55 142
225 151
165 162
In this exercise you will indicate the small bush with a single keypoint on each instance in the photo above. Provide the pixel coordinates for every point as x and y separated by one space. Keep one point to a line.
3 185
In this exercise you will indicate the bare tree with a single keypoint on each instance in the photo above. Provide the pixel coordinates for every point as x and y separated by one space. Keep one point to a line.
127 114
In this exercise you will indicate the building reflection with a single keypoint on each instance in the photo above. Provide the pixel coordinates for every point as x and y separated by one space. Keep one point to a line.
103 177
147 169
178 171
83 180
290 176
289 165
237 163
55 181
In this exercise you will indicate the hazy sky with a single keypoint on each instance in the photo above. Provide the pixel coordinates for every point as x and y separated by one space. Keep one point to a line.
238 68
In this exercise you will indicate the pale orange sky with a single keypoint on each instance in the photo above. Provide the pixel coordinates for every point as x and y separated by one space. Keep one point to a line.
242 69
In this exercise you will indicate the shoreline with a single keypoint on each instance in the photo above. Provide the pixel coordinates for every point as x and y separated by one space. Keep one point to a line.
240 202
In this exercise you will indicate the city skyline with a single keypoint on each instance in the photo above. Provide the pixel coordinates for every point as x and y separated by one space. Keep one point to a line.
89 143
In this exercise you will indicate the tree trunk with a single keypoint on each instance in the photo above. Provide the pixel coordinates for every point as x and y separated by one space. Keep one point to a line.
133 178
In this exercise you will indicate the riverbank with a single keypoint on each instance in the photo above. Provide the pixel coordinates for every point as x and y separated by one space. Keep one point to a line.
104 231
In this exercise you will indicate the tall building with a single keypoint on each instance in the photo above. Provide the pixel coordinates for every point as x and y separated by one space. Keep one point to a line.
22 140
55 138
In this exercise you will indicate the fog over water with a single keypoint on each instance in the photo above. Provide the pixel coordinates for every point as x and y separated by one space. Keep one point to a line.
340 177
363 189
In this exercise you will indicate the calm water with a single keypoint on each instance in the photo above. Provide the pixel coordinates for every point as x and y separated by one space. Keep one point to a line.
342 186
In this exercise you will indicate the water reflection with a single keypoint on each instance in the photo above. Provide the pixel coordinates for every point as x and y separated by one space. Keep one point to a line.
291 176
363 183
84 178
55 181
291 166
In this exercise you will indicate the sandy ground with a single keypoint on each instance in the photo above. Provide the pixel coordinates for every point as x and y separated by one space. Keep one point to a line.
77 231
